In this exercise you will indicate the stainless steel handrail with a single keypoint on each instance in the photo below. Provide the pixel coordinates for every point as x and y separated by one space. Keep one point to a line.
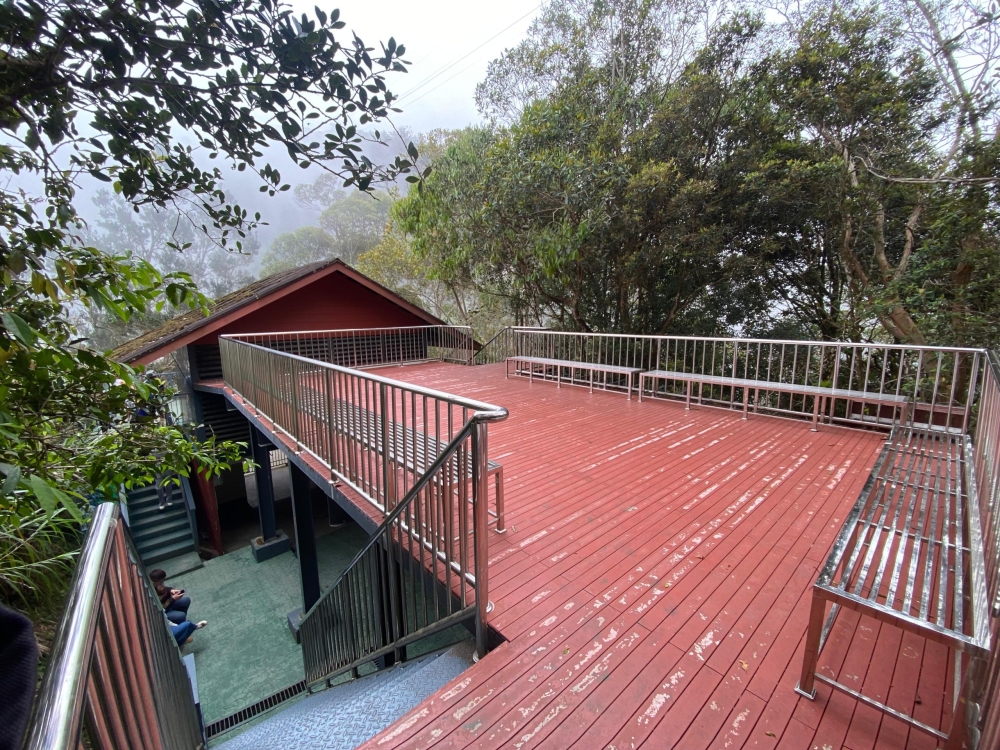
498 412
380 603
112 613
721 339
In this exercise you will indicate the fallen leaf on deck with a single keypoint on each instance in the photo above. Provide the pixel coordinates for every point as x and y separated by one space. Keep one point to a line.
770 734
744 665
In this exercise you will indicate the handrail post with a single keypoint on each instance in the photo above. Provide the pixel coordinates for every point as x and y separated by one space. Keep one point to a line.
480 536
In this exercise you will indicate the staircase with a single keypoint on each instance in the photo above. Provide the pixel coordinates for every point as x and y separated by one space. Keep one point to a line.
160 535
345 716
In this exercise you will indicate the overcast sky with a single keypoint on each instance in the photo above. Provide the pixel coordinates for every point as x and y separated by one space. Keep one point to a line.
437 34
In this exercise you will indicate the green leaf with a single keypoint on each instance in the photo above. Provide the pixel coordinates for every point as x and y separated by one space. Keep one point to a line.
45 494
20 330
13 477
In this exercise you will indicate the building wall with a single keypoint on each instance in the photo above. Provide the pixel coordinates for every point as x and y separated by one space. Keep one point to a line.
334 301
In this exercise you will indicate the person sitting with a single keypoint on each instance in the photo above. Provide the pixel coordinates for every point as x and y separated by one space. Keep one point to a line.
174 601
184 632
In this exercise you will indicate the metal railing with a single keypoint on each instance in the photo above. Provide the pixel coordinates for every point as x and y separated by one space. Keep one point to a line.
496 349
114 661
983 710
420 456
373 347
420 573
377 435
939 382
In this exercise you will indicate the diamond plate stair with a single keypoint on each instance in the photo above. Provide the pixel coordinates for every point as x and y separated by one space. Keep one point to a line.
347 715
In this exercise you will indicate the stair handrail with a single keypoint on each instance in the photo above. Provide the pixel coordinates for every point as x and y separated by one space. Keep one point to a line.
327 653
112 611
495 350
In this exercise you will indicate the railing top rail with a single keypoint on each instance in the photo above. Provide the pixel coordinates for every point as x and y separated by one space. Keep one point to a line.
484 412
239 336
730 339
60 704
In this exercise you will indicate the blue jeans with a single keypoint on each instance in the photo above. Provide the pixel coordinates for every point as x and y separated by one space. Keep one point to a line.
183 631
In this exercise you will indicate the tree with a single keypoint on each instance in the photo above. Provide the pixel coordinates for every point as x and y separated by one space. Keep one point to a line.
169 245
142 96
355 222
888 160
643 45
297 248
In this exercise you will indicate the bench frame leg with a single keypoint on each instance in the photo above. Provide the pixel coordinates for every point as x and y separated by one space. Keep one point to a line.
687 403
807 680
501 526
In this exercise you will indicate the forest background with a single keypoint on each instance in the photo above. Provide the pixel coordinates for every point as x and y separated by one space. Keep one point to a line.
816 170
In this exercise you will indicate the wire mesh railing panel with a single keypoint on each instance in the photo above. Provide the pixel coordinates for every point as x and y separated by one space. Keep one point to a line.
373 347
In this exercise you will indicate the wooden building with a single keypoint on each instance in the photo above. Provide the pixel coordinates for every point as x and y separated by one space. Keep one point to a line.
323 296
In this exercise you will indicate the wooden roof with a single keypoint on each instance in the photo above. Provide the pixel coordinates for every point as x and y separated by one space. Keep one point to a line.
194 324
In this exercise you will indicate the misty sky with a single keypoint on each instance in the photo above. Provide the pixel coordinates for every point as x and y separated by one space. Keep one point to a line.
436 34
437 92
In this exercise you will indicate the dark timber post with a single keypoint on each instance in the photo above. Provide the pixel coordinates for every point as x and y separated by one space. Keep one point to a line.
265 485
272 541
305 536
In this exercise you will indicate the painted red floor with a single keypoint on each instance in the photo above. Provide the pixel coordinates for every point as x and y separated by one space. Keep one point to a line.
654 583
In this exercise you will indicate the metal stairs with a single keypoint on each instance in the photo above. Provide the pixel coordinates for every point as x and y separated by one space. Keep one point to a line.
160 535
346 715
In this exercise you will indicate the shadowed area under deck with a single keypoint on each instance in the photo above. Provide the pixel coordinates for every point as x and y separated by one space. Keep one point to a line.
654 584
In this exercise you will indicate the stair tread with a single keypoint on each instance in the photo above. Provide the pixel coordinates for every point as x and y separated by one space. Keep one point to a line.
347 715
165 553
165 526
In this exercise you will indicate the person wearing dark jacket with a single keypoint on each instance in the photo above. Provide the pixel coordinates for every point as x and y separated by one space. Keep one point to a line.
18 676
174 602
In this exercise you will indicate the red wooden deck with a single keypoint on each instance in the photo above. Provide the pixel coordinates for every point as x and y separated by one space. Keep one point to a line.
654 584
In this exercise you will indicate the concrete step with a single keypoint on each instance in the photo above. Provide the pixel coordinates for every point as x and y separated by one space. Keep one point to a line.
165 552
159 534
159 527
347 715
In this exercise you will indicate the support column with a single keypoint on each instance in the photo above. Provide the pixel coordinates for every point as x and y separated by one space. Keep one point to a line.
272 541
305 545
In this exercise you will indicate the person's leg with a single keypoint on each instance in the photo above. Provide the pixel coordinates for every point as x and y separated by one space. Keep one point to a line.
176 616
181 605
183 631
162 492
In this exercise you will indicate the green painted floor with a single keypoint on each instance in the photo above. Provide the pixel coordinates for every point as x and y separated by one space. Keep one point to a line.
247 652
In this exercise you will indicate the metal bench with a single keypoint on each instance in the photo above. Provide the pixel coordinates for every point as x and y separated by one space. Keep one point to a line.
910 554
561 364
820 394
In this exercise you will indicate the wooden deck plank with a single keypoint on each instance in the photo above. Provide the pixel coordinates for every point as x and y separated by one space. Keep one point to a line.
651 553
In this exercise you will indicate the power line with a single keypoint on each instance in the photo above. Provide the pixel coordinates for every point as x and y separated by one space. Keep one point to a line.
450 65
446 80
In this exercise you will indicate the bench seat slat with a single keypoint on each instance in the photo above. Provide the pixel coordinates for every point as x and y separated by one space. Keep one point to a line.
767 385
618 369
